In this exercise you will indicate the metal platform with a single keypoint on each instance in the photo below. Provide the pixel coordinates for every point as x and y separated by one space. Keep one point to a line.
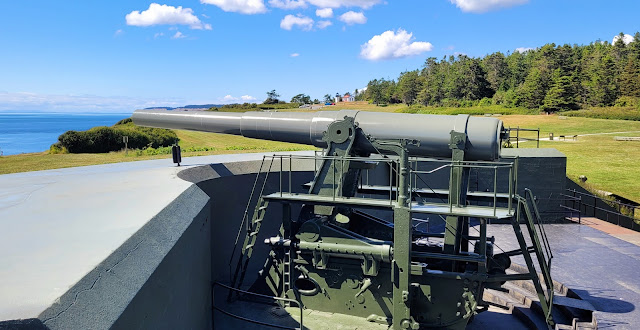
418 207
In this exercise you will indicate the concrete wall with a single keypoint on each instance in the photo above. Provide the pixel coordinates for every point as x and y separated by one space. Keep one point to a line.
159 278
544 172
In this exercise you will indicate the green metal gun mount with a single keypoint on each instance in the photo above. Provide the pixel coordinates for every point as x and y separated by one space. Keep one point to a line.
361 249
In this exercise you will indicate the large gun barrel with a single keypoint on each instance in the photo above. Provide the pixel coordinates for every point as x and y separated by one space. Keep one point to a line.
484 134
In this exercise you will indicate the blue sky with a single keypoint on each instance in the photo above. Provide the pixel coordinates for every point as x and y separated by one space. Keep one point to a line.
121 55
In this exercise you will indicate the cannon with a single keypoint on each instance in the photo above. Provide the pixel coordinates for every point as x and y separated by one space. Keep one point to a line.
358 248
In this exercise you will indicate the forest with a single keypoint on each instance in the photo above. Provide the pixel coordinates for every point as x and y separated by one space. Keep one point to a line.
550 78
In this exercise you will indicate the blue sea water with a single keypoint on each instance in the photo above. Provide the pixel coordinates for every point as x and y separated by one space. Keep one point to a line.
36 132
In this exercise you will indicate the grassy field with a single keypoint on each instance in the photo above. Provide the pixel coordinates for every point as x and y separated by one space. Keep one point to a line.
215 143
608 164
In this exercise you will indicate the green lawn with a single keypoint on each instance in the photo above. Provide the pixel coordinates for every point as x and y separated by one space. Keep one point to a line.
608 164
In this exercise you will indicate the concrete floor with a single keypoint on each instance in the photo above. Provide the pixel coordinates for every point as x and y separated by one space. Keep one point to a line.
600 268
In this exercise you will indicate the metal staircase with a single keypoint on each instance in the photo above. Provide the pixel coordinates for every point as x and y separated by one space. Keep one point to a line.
500 206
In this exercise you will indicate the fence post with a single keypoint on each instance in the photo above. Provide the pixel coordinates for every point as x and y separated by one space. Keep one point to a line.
579 209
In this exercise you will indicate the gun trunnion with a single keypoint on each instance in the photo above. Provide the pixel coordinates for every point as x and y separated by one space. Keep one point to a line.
334 256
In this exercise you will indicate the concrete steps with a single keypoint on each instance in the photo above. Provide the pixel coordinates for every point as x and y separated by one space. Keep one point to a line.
521 300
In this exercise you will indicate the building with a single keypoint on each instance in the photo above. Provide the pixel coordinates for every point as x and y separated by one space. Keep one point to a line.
345 98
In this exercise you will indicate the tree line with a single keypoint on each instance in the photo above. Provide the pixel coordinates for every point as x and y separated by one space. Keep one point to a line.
550 78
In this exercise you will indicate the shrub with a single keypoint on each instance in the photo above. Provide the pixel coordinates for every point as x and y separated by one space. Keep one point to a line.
105 139
620 113
124 121
627 101
485 102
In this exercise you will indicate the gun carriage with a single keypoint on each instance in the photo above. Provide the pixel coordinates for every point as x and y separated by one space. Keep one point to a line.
351 246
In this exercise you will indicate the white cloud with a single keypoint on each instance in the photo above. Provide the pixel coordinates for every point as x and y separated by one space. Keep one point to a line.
364 4
294 55
390 45
118 33
158 35
323 24
25 101
287 4
248 7
523 49
483 6
165 15
351 17
289 21
232 99
627 39
178 35
324 12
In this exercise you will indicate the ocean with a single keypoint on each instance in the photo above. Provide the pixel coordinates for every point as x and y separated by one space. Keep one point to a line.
36 132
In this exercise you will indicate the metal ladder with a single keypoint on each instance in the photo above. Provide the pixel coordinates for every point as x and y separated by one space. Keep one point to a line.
252 228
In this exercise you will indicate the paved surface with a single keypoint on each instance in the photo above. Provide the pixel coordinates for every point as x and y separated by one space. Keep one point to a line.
622 233
57 225
600 268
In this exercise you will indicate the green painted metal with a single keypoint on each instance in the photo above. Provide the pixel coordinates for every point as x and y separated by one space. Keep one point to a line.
334 258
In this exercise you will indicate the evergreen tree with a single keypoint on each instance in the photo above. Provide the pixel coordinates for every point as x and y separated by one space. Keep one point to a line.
560 96
409 85
495 65
630 78
551 77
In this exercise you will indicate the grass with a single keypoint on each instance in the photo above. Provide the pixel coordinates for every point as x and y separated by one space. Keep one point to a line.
623 113
215 143
609 165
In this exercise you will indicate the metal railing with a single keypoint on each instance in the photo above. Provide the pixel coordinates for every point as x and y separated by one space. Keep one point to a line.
518 138
284 166
585 208
493 167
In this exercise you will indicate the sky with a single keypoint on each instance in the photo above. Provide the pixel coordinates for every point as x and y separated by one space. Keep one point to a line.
118 56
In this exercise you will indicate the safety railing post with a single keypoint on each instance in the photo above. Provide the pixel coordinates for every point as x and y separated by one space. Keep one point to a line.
280 175
495 190
510 197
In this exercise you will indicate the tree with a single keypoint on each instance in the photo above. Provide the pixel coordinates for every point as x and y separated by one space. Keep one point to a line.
409 85
328 98
495 65
301 98
630 78
561 95
601 83
272 97
375 91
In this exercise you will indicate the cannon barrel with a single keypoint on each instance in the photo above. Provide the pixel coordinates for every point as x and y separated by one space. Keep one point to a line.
484 134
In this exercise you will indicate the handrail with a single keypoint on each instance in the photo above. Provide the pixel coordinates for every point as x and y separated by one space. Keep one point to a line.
618 214
545 240
415 175
257 295
604 200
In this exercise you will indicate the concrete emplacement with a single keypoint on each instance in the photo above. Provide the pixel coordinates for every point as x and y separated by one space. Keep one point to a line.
138 245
